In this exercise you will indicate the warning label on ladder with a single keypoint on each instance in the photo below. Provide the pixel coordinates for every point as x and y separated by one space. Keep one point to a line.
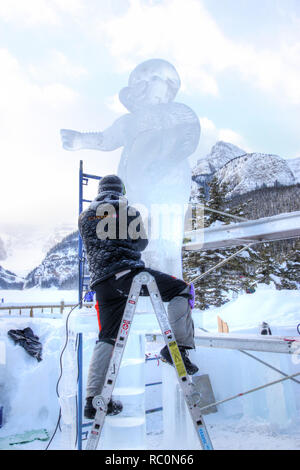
177 359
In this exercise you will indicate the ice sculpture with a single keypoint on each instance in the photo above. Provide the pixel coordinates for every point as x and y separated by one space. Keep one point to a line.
158 135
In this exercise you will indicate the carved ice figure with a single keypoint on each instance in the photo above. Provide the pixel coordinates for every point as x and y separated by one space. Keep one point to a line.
158 136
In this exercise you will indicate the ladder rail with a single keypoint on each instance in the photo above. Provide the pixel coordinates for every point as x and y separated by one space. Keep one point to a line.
188 388
191 395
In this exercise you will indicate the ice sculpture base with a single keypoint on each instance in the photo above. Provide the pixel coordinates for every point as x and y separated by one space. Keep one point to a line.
128 429
179 431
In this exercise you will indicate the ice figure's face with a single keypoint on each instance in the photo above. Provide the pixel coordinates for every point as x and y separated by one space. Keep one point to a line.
152 82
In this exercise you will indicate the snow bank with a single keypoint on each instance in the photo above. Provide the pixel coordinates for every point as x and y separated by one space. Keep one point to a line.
36 295
279 308
27 386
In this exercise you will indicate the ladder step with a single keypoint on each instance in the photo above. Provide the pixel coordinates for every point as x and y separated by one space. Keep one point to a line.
94 177
191 393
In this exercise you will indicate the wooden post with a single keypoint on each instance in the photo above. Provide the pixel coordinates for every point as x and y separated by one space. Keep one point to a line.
20 312
62 306
222 326
31 312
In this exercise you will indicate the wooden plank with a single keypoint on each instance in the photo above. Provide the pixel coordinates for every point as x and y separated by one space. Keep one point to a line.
222 326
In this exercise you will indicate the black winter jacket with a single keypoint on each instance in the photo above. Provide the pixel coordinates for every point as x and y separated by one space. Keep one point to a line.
110 253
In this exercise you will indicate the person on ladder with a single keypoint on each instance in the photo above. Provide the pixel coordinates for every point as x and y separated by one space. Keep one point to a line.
114 257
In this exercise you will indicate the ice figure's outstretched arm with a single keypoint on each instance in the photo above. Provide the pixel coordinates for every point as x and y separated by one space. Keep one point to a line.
110 139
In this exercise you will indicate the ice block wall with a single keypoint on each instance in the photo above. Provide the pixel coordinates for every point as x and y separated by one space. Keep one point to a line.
232 372
179 432
124 431
80 321
128 429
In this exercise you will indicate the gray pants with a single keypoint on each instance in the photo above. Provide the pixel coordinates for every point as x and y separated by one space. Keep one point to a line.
180 318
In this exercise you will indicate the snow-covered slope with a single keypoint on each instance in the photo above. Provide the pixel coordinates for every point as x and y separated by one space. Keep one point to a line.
294 164
253 171
24 247
243 172
9 280
3 254
221 153
60 266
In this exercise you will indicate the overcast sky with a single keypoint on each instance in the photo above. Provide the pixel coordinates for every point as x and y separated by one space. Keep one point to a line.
63 63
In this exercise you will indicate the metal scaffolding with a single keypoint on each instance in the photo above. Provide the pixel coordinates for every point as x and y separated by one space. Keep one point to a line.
273 344
266 229
83 277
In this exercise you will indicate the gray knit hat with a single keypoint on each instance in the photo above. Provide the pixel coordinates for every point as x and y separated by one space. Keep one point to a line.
111 183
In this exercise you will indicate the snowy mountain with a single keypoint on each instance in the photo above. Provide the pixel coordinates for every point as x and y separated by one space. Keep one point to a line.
243 172
294 164
59 268
22 248
9 280
221 153
3 254
253 171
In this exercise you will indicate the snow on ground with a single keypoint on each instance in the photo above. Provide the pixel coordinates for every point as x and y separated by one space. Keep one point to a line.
36 295
279 308
241 434
27 388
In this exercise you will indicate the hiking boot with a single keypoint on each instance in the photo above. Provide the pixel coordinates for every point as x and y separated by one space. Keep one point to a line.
166 357
114 407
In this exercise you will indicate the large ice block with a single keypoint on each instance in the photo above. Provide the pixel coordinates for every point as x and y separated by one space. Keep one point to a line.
179 431
85 321
124 431
128 429
232 372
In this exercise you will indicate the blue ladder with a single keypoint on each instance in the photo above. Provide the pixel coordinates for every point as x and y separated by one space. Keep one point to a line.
83 277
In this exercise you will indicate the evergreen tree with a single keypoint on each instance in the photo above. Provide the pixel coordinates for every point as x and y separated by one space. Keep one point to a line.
265 263
212 289
216 202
